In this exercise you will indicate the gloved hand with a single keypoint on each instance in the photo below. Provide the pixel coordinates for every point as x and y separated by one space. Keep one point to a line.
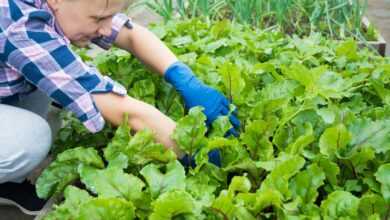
214 158
196 93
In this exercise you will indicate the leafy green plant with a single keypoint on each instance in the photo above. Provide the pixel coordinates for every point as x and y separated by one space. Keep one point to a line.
337 19
314 142
165 8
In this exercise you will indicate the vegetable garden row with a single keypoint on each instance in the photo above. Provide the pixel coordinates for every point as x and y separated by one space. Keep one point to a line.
336 19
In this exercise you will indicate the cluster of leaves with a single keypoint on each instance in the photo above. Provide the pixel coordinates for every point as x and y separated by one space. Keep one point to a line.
314 142
336 19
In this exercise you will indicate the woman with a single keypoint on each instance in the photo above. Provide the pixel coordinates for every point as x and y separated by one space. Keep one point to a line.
37 65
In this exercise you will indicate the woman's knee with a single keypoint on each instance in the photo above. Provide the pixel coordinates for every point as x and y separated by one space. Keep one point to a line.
25 140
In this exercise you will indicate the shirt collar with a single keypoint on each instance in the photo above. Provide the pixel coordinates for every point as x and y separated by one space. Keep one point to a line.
42 4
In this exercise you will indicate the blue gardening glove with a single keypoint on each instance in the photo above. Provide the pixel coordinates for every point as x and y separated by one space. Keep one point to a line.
214 158
196 93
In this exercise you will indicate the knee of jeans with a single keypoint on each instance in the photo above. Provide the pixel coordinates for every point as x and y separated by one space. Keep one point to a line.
27 144
40 142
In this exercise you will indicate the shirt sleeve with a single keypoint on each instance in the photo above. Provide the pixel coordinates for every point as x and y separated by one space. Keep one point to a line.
119 21
45 59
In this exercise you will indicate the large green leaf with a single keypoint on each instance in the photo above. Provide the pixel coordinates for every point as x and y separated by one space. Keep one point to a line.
159 182
112 182
340 204
63 170
383 176
173 204
74 199
104 209
372 133
306 183
190 131
334 139
371 205
140 149
256 138
279 177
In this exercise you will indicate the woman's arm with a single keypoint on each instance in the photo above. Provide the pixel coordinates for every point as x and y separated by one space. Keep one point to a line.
147 47
141 115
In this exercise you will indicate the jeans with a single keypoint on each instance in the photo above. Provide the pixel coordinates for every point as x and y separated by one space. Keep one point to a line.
25 136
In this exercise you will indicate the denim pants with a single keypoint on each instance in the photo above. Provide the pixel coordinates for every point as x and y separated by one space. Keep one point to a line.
25 136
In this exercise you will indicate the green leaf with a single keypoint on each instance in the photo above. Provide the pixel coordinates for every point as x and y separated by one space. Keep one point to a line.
256 138
180 41
334 139
302 141
213 46
306 183
144 90
112 182
202 187
172 179
348 49
327 114
225 204
140 149
279 90
74 198
382 92
332 85
232 80
360 158
103 209
239 184
383 176
55 178
63 170
190 131
371 204
340 204
371 133
331 170
220 126
353 186
257 202
87 156
169 102
119 141
279 177
173 204
305 77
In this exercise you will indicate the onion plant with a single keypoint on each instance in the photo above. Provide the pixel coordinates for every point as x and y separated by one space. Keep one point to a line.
337 19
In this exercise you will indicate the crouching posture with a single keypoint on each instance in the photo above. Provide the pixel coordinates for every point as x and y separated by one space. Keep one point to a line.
37 66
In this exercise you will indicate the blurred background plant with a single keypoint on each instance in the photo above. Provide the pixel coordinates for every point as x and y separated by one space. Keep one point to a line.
336 19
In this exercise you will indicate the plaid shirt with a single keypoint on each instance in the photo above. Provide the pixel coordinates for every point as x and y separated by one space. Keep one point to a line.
34 53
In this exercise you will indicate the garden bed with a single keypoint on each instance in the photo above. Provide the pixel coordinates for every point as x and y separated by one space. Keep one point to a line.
380 44
336 20
314 138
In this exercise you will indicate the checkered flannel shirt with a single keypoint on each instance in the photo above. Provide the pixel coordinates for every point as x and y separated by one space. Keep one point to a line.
34 53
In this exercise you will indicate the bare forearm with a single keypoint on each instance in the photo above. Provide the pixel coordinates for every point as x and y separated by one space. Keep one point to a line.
147 47
141 116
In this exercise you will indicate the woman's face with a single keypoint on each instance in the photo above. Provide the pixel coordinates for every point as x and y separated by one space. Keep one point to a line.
83 20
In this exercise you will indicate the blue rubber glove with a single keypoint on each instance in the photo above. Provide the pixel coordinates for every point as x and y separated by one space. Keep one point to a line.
196 93
214 158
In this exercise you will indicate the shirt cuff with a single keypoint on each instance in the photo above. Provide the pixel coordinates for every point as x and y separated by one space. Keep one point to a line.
95 122
119 21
